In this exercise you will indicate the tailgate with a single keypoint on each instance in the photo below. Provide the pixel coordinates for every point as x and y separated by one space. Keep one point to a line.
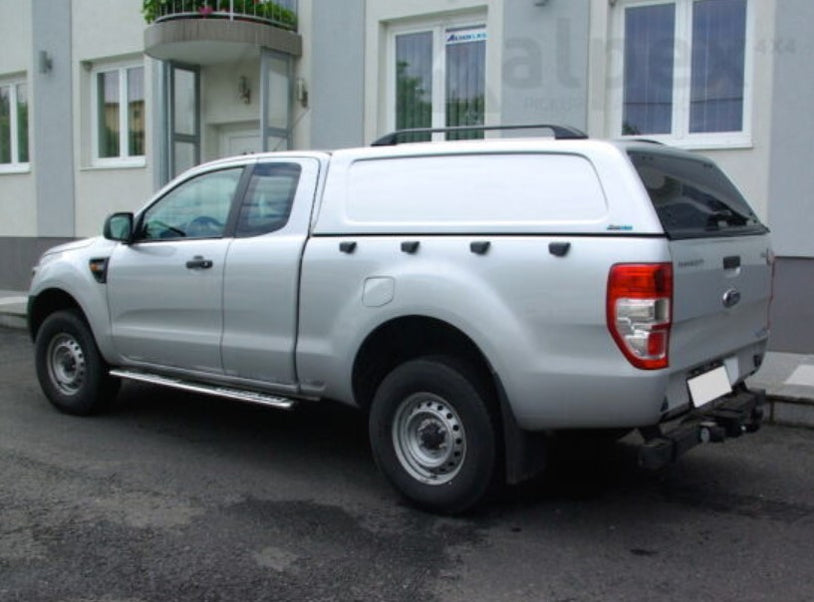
722 272
722 289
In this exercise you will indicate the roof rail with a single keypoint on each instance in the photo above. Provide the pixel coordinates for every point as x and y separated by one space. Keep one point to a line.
561 132
645 140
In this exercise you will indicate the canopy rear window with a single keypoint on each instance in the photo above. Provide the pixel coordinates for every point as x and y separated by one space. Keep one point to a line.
693 198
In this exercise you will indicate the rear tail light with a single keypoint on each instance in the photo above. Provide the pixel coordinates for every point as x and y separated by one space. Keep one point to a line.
639 312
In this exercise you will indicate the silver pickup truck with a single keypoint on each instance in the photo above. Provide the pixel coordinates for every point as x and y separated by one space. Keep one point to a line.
472 297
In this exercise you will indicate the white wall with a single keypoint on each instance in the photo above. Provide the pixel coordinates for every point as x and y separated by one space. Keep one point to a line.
220 101
117 34
303 69
18 206
791 188
221 105
15 31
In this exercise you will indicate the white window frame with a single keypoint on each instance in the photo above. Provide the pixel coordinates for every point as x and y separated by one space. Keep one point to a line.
681 136
16 166
123 159
439 62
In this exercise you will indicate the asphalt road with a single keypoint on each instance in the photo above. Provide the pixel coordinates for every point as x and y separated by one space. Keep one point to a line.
173 497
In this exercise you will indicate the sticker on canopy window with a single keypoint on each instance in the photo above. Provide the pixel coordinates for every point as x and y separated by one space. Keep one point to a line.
464 36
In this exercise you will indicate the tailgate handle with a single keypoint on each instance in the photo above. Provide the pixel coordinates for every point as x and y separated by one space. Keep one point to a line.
410 247
559 249
733 262
480 247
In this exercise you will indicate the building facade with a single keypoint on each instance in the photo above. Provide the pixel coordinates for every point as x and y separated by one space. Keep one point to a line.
103 103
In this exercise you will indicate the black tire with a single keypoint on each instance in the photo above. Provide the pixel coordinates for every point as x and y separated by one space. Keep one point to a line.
434 434
71 371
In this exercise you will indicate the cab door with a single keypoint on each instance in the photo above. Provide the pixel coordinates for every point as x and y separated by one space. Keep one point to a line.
262 278
165 289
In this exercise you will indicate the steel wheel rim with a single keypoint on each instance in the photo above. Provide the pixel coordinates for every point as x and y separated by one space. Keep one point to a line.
67 367
429 438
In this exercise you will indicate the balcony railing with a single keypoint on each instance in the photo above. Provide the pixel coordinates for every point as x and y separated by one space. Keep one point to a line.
279 13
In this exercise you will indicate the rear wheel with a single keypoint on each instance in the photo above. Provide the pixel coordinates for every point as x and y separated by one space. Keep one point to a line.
70 369
434 434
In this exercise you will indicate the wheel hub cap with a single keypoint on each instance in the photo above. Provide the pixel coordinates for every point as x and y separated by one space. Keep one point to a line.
66 364
429 438
432 435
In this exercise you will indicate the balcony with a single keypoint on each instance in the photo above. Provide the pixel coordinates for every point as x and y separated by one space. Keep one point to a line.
205 32
282 14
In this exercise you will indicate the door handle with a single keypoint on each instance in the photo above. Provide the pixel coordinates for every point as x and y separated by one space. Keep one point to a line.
199 263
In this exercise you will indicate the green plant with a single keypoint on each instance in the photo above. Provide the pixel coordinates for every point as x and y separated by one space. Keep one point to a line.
266 9
150 10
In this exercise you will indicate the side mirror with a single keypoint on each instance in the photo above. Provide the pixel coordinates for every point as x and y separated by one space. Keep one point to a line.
119 226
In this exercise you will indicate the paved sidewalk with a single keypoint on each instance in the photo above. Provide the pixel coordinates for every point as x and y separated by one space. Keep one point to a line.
788 378
12 308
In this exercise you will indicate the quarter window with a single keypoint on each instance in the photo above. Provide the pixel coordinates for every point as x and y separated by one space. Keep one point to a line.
119 114
197 208
268 198
438 78
14 126
684 70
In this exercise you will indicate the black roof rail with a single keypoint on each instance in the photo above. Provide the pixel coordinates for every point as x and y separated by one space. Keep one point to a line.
561 132
645 140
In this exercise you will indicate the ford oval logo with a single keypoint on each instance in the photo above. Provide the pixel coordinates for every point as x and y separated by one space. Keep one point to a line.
731 297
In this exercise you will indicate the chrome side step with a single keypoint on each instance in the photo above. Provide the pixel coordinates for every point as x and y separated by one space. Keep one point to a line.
274 401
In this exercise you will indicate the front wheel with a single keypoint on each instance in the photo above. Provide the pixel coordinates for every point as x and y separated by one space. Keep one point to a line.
70 369
434 434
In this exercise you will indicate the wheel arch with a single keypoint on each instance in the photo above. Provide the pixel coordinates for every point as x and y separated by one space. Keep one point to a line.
46 303
409 337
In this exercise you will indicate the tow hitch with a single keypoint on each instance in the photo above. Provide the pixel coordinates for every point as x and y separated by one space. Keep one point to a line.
737 413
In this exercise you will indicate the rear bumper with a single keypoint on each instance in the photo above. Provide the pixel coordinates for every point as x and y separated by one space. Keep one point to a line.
733 415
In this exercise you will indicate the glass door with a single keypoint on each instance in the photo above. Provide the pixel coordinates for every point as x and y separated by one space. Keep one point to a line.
184 118
275 101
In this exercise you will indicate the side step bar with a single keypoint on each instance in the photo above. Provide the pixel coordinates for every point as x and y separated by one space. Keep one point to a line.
274 401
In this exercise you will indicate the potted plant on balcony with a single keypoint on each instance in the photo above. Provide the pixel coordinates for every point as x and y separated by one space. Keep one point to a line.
264 10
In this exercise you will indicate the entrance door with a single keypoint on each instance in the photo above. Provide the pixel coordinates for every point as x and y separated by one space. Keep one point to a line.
238 140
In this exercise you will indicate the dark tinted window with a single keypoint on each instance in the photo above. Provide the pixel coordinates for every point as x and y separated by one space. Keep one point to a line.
268 199
693 198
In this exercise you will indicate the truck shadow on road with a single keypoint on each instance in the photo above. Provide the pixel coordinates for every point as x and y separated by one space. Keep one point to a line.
579 470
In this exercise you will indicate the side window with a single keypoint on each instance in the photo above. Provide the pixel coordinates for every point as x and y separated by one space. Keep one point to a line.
13 126
268 199
198 208
118 120
438 78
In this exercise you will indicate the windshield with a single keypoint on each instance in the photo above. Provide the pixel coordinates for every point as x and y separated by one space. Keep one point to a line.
693 198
